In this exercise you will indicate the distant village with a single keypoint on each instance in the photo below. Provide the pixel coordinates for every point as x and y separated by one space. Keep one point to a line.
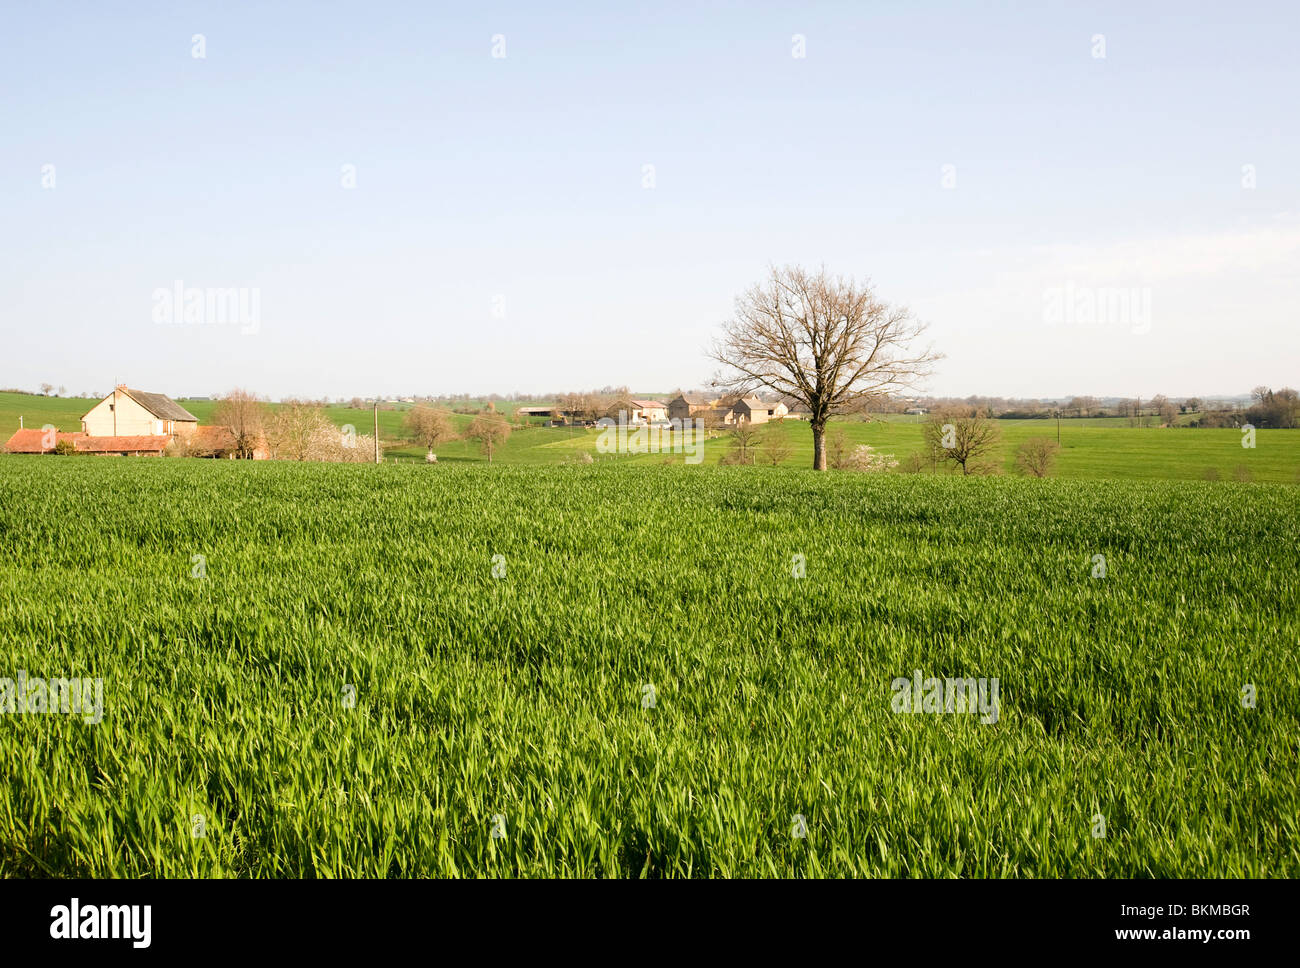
714 411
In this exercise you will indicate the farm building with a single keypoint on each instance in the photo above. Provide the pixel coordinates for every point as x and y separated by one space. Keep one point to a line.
686 405
554 416
753 410
750 410
623 406
130 445
795 409
133 423
135 413
36 441
651 410
638 410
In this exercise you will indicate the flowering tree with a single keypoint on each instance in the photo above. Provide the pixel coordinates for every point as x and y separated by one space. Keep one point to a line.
864 458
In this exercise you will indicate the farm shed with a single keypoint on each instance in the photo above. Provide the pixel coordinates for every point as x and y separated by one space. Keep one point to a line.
34 440
752 410
134 445
135 413
652 410
686 405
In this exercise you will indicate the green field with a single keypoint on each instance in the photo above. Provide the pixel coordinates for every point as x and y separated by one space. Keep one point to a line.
1089 450
523 696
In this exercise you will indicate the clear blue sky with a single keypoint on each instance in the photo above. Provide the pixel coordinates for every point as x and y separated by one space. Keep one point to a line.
520 180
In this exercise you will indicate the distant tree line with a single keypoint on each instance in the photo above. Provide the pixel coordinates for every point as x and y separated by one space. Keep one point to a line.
1274 408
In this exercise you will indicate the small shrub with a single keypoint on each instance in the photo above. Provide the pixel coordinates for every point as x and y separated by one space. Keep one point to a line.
1035 456
913 463
837 448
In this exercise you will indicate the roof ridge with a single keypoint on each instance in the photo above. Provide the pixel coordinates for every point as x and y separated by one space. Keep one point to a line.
159 404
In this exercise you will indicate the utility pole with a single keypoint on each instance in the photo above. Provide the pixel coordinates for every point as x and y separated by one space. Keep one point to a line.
376 430
1058 428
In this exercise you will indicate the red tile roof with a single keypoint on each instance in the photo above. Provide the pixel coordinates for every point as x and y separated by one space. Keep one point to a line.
32 440
115 445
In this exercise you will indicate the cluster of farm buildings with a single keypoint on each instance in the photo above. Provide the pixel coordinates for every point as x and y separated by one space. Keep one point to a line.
724 411
131 423
134 423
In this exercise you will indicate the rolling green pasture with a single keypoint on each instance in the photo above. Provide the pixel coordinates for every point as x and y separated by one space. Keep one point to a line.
36 411
1088 450
519 701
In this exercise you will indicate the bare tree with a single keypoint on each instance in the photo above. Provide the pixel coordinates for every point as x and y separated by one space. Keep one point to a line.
1274 408
914 462
584 405
776 444
430 427
744 442
300 431
1165 409
965 437
824 341
244 415
838 447
1035 456
490 431
46 388
1083 405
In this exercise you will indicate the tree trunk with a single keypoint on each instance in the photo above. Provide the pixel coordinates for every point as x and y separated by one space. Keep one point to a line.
819 447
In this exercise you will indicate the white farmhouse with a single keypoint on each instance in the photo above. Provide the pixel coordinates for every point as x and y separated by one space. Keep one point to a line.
130 413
